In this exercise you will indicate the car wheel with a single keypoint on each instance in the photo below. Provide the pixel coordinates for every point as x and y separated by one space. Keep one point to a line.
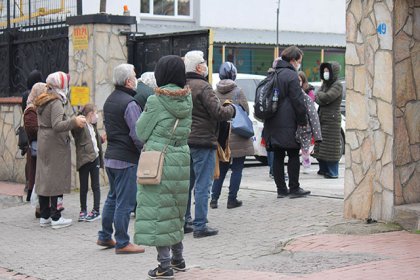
262 159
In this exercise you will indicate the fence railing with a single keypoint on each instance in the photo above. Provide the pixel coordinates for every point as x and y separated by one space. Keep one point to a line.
24 13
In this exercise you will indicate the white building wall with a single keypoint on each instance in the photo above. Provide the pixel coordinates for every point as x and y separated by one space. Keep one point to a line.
325 16
295 15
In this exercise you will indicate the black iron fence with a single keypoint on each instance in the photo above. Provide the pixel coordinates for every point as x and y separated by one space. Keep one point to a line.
145 51
33 35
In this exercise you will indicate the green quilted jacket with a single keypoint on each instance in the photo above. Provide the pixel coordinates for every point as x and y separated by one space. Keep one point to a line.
161 208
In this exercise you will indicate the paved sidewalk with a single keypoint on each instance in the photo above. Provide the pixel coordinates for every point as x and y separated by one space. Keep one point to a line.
266 238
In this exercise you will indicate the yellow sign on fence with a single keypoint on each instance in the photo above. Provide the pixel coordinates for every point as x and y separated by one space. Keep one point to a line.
80 38
80 96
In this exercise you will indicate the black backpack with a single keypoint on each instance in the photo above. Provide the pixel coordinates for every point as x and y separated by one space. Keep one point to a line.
267 97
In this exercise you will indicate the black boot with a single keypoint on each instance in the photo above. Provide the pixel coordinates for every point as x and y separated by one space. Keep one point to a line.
213 204
234 203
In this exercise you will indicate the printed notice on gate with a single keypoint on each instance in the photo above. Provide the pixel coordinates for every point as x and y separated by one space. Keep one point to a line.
80 38
80 96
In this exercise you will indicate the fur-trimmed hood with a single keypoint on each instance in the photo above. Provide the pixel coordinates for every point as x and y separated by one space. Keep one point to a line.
334 69
175 99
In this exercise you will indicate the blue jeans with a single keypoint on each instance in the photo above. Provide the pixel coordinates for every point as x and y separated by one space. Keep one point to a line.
235 179
328 167
201 179
119 204
270 160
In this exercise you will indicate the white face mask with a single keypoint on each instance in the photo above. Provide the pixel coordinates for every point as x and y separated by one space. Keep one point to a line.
326 76
94 119
135 83
206 71
297 66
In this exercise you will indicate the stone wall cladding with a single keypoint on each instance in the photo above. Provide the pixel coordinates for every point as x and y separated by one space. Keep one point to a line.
407 101
94 68
12 163
383 108
369 182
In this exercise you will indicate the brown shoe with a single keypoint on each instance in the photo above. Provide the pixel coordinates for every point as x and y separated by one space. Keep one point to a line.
106 243
130 249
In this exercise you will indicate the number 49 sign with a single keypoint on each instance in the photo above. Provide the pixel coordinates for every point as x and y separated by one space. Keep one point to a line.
381 29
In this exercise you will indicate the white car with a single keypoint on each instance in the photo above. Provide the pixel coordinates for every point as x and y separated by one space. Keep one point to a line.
248 83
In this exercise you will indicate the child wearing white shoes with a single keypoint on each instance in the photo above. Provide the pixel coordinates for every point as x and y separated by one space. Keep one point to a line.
88 162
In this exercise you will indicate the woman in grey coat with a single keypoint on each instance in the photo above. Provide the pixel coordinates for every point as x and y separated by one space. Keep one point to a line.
239 146
54 156
328 97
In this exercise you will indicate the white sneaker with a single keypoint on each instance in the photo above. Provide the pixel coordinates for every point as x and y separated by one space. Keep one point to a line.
61 223
45 222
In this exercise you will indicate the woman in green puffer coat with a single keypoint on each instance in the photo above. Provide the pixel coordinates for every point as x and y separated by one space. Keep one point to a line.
161 208
328 97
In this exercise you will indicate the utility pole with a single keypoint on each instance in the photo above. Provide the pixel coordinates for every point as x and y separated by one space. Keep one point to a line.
277 48
277 25
102 6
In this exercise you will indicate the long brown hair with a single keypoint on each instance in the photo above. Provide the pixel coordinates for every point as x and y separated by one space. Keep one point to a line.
305 84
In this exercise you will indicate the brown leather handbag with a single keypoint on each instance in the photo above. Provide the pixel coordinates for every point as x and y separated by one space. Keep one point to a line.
150 167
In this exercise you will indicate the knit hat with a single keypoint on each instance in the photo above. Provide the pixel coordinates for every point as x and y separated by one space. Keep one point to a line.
192 59
58 82
170 69
37 89
227 71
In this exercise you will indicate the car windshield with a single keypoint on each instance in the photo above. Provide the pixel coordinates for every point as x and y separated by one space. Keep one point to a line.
248 86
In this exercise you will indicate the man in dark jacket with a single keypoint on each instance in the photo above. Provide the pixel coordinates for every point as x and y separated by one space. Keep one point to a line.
280 131
121 113
206 115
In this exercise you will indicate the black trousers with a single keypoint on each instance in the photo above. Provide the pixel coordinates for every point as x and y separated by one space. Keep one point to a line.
48 207
293 168
91 168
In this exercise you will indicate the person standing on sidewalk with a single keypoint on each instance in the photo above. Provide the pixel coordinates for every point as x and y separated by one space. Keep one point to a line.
280 130
166 124
240 147
328 97
206 115
34 77
30 122
305 134
88 162
53 170
121 112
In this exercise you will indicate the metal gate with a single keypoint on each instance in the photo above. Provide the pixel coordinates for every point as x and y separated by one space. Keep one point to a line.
23 51
145 51
33 35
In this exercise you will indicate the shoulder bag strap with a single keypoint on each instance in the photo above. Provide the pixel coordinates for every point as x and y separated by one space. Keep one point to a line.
172 135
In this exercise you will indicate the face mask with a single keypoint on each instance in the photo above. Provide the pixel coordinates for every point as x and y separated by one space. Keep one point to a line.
135 83
300 83
298 67
326 76
206 71
94 119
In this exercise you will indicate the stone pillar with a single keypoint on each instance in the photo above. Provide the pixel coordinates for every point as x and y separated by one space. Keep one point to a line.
96 46
407 101
382 124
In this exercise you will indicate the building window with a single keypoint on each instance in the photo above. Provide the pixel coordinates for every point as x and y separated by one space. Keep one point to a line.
166 8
